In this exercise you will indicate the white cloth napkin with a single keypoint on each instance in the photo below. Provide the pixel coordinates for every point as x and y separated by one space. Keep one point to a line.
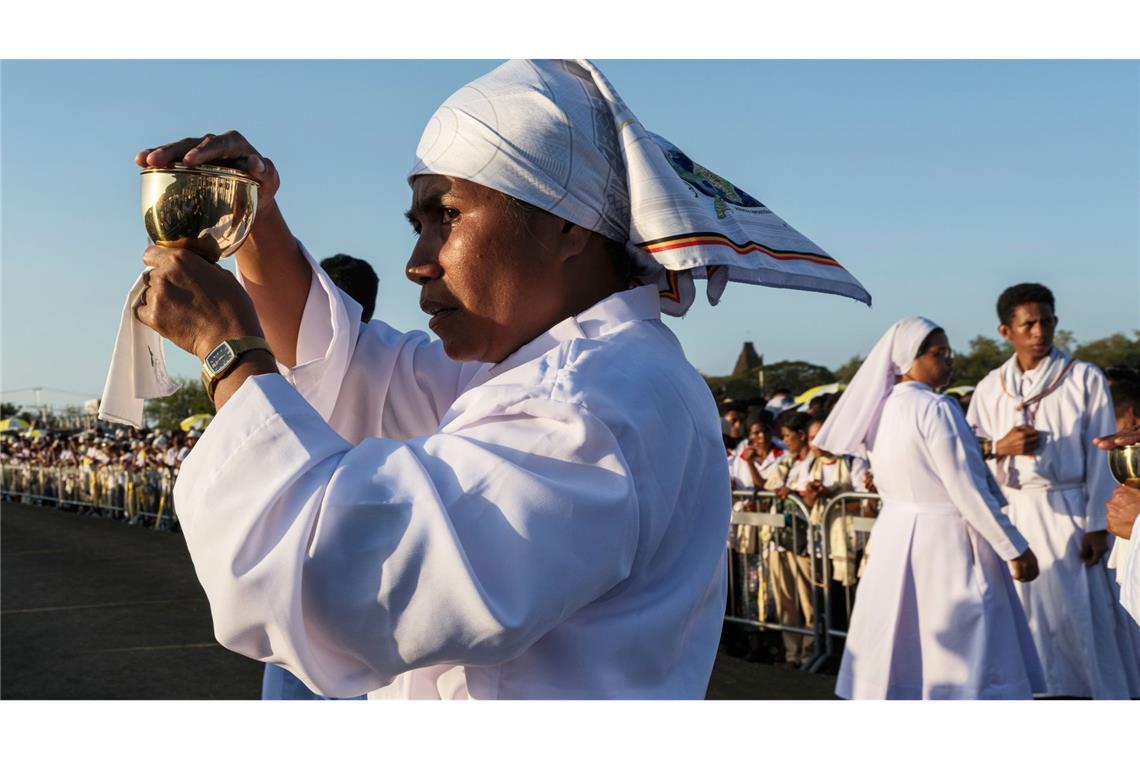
1118 558
138 366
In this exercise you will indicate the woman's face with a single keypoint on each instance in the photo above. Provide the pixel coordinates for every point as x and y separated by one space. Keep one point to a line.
812 432
757 437
936 366
490 283
796 442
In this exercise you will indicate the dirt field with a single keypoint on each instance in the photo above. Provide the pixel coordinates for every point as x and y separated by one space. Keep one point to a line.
95 609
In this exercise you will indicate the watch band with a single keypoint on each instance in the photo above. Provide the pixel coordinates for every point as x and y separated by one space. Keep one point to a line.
224 357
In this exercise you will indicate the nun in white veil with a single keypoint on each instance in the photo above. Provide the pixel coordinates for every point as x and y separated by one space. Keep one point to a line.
936 616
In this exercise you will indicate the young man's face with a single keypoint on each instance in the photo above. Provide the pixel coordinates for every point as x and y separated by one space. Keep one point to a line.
1030 330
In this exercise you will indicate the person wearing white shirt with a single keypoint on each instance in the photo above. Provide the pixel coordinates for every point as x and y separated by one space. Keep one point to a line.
502 513
1042 409
750 465
936 616
789 563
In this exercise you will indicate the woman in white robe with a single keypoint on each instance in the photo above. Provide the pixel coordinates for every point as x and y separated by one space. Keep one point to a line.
937 616
534 507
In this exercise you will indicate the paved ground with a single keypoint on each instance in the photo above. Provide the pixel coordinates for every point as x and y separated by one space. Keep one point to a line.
95 609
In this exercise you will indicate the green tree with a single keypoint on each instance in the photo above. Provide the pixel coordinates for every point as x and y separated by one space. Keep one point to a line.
1116 349
845 372
744 385
8 410
190 398
985 354
793 375
1063 339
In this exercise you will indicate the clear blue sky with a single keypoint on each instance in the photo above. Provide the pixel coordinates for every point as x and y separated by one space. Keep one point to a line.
936 183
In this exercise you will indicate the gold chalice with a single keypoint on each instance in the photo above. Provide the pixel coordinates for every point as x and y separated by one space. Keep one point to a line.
1124 462
205 209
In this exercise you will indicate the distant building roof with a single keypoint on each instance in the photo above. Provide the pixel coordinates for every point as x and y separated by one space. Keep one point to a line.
748 359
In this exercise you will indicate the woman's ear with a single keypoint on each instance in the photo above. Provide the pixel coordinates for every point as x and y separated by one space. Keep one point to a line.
573 240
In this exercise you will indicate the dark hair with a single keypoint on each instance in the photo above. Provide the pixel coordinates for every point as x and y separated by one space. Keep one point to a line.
820 417
355 277
1019 295
928 341
1125 396
795 421
1118 372
761 418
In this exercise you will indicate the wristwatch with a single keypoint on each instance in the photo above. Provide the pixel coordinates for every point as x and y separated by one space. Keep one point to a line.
225 355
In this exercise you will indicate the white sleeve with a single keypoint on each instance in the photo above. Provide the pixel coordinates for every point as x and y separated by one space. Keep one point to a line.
349 565
1129 575
957 459
859 468
1099 483
405 380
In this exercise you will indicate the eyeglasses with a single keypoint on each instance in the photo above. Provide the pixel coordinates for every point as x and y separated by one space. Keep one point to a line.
942 354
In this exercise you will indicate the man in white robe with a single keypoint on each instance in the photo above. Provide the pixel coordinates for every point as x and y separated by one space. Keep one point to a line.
1042 410
516 510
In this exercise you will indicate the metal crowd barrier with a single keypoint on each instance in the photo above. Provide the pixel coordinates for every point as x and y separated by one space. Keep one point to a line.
141 496
830 541
773 575
844 525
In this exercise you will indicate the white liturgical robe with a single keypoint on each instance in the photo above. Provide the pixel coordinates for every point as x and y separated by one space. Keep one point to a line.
936 616
1088 645
550 527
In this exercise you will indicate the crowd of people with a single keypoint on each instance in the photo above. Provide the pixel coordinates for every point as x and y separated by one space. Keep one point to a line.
114 471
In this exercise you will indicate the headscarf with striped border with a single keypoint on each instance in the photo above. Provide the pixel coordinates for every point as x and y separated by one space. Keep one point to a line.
556 134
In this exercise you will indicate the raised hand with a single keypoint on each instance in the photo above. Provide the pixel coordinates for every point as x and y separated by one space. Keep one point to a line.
1116 440
230 149
1123 509
194 303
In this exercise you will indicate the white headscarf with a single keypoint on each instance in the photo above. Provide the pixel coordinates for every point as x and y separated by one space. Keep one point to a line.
556 135
859 406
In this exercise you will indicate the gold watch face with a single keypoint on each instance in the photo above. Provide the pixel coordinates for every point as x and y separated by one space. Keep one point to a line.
218 359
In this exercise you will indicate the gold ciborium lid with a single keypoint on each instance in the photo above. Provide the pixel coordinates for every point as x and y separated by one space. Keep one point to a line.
207 209
1124 462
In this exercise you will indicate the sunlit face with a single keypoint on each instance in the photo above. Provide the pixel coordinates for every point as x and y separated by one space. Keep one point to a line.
936 365
1030 330
812 432
757 436
796 442
736 424
489 282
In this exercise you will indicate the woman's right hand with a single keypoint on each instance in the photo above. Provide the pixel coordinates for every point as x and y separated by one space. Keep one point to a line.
229 149
1024 568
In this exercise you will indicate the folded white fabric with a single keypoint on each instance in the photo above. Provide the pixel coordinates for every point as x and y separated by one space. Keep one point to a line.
138 366
557 135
